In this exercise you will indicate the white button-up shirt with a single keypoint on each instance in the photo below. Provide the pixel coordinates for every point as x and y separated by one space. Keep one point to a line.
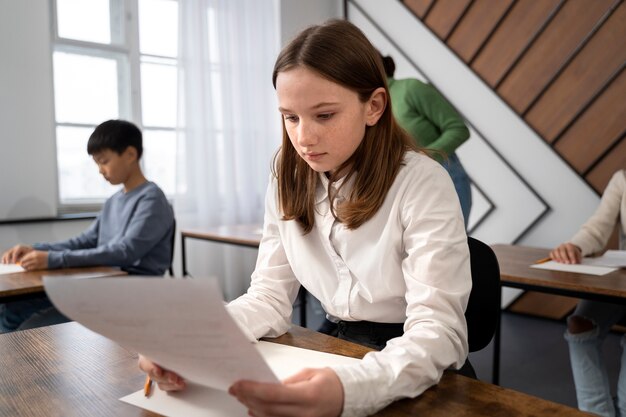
408 264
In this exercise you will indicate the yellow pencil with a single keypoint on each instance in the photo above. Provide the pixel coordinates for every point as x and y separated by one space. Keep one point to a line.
543 260
148 386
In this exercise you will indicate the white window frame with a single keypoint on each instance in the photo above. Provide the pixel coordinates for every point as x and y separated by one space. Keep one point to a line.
126 52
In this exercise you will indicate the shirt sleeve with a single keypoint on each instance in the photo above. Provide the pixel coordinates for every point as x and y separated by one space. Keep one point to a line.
430 103
438 282
595 233
266 308
87 239
150 222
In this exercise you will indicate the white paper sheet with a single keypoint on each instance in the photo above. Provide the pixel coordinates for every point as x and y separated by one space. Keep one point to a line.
10 269
181 324
610 258
581 268
198 401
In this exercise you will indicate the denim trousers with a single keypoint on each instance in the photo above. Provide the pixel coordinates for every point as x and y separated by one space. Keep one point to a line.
593 392
461 184
28 314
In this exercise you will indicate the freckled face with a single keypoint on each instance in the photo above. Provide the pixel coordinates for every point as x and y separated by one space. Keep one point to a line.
324 120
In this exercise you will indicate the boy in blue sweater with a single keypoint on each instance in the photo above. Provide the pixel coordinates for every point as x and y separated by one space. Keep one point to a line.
133 231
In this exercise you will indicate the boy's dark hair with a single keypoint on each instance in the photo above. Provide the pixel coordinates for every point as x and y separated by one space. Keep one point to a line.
116 135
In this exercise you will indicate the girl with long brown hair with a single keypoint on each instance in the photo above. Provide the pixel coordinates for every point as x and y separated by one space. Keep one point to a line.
366 223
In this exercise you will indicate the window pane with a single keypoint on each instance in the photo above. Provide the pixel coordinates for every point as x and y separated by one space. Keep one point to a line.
89 20
86 88
158 95
159 158
158 27
79 178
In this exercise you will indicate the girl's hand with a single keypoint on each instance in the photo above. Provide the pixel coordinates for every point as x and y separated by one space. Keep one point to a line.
167 381
310 392
567 253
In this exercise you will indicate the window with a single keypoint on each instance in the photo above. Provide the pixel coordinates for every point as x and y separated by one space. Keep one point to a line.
113 59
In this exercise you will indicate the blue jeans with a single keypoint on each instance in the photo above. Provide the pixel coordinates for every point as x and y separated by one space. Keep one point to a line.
590 375
28 314
461 184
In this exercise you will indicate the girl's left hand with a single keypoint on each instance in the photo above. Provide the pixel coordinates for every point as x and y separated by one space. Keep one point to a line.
36 259
310 392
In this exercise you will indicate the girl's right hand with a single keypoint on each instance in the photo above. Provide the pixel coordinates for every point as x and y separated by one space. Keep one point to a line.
567 253
167 381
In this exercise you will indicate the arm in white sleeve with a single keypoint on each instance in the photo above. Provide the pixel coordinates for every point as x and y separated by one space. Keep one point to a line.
265 310
595 233
437 276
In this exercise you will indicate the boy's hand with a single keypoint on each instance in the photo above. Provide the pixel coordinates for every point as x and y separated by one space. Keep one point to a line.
35 259
15 254
311 392
567 253
168 381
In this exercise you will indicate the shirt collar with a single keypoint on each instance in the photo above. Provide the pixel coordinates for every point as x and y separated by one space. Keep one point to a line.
322 187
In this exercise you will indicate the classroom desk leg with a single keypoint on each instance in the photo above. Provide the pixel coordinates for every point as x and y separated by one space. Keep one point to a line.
183 255
495 376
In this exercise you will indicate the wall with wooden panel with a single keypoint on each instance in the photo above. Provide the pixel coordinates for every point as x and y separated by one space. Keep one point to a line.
559 64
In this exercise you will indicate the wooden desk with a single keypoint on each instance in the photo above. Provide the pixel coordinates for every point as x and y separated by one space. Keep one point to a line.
67 370
22 285
515 272
247 235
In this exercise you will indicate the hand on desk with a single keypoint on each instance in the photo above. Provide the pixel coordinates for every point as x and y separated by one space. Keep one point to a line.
315 392
35 259
567 253
312 392
15 254
167 381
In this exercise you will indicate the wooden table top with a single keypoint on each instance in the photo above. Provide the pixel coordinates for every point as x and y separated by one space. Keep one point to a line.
67 370
240 234
30 282
515 270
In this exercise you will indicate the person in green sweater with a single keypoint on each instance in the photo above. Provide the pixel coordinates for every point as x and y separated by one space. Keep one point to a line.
434 125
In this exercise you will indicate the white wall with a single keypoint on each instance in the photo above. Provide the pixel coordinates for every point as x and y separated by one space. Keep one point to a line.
28 233
296 15
27 148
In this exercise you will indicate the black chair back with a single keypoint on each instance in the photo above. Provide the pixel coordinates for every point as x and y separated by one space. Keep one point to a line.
483 308
171 268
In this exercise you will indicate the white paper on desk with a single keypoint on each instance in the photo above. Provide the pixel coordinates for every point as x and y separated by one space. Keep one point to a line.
10 268
581 268
181 324
610 258
198 401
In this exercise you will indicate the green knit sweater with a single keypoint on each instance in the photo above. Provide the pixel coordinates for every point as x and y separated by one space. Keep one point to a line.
423 112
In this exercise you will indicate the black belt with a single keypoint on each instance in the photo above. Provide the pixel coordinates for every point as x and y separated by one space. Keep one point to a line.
370 326
369 333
